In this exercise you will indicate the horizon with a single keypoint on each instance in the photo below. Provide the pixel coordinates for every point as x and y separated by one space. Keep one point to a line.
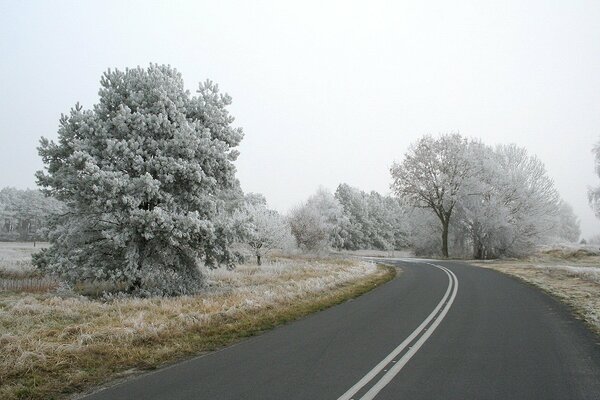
326 94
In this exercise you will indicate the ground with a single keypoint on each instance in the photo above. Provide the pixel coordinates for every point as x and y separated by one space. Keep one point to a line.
56 342
570 273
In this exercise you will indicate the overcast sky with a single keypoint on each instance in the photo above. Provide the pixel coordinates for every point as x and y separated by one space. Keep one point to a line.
326 92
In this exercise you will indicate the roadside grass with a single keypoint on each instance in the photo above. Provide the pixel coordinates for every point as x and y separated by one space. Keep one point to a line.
571 275
376 253
56 345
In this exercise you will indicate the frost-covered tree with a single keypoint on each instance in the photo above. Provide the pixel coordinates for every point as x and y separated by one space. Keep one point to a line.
510 205
567 224
266 229
356 209
318 223
503 202
594 193
145 174
24 214
424 232
373 221
529 197
432 176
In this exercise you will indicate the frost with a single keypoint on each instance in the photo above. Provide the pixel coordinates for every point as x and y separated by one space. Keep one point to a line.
144 174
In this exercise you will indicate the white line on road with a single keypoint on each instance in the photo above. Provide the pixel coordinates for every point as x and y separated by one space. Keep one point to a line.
398 365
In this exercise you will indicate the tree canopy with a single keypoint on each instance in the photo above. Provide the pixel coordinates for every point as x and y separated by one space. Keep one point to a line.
144 174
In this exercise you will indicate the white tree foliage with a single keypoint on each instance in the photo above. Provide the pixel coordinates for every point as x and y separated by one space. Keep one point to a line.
568 228
24 214
144 175
490 202
432 175
318 223
511 204
266 229
373 221
594 193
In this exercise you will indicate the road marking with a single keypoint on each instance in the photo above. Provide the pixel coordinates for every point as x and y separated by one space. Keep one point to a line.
421 329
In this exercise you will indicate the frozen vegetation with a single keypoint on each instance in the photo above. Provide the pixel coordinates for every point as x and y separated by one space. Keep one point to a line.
62 335
569 272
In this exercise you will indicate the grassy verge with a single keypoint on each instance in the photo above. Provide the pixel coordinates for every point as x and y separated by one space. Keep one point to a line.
573 279
53 346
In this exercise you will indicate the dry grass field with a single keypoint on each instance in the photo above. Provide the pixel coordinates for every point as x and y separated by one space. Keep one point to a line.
57 343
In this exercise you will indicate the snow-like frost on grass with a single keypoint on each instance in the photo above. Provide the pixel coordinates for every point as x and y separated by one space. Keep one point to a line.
41 331
591 274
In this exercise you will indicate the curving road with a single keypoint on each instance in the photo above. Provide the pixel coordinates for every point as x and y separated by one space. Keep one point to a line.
441 330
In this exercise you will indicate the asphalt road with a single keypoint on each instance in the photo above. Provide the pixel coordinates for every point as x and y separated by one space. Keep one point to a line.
460 333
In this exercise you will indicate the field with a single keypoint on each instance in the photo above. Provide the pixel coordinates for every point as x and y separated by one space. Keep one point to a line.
570 273
54 343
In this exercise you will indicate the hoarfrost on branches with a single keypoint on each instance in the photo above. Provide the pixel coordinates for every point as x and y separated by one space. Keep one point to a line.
266 229
372 221
594 193
495 201
318 223
143 175
432 176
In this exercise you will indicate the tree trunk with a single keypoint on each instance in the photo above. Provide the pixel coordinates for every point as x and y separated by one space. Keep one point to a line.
445 239
137 282
477 250
258 262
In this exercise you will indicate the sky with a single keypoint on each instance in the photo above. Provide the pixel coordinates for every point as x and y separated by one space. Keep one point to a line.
326 92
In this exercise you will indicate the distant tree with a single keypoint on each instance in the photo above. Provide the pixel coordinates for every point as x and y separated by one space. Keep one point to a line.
432 176
145 174
318 223
511 204
266 229
373 221
356 209
594 193
530 198
497 201
567 224
424 232
24 214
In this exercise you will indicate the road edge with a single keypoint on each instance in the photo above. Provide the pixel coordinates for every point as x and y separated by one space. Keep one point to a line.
285 315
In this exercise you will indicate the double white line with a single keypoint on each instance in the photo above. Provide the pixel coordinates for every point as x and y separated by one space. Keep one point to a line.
424 331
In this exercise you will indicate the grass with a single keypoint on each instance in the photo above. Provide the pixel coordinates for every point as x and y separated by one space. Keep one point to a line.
53 346
572 275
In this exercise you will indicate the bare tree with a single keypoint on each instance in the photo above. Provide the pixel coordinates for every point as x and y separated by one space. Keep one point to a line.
267 229
432 175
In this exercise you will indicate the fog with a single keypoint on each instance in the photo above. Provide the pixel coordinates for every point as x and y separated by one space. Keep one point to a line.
327 92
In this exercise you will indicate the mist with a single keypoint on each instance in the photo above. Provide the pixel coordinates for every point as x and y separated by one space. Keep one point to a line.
326 93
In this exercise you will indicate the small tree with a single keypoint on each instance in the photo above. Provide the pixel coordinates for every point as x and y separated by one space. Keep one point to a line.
567 226
432 176
267 230
143 174
594 193
318 223
24 214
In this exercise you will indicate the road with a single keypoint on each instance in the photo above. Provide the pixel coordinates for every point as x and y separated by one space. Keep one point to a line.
443 331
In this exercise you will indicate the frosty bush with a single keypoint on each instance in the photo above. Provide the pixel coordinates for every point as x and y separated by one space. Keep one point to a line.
317 224
266 229
143 175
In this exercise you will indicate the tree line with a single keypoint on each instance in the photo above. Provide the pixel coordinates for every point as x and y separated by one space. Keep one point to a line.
146 181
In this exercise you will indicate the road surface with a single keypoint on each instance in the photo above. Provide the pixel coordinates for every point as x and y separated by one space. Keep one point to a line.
440 330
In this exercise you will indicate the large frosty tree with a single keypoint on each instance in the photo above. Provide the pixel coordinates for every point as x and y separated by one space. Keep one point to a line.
144 175
432 176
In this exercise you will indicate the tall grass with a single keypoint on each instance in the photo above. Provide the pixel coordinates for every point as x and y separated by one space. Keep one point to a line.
54 344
